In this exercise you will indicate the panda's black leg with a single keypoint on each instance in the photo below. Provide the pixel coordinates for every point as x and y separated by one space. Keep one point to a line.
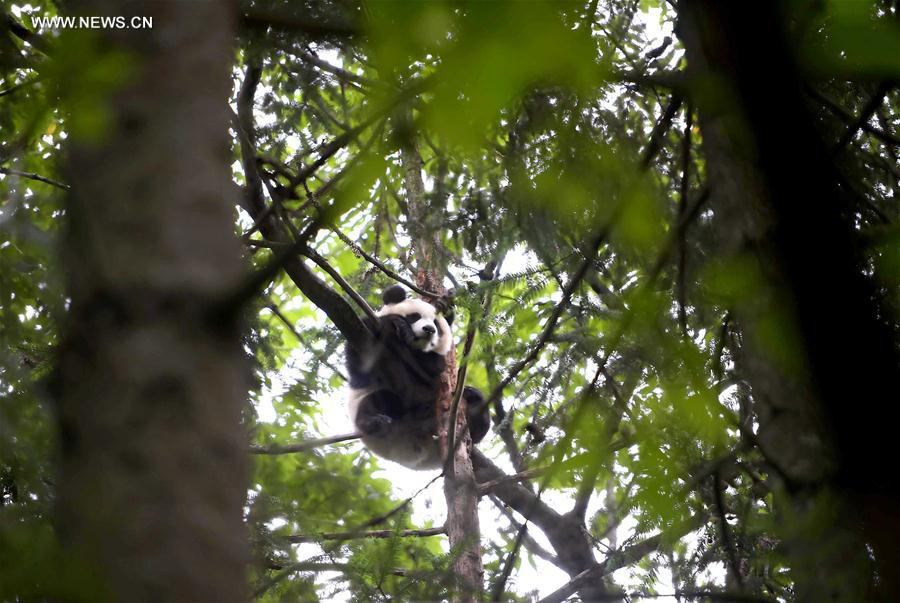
478 414
374 424
370 420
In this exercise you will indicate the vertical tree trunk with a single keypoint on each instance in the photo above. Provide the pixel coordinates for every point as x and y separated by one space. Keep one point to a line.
460 489
150 384
776 190
743 224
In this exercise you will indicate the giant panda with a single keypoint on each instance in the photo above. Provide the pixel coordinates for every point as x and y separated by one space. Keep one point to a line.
394 385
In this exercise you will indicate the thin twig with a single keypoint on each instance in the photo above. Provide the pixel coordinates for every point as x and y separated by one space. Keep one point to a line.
348 289
552 321
308 566
485 487
500 585
382 518
375 262
20 85
33 176
321 357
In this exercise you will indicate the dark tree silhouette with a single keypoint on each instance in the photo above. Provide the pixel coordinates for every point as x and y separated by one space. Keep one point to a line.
150 382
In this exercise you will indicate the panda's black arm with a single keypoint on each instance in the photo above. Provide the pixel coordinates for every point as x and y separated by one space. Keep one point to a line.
397 336
391 363
432 364
478 416
360 360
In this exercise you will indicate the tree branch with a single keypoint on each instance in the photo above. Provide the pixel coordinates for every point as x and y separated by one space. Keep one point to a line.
673 80
334 69
302 446
500 585
725 531
348 289
293 23
420 533
565 532
865 114
528 474
317 291
382 518
530 543
659 130
592 472
885 137
622 558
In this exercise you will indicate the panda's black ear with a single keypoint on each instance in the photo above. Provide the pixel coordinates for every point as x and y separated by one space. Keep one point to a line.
394 294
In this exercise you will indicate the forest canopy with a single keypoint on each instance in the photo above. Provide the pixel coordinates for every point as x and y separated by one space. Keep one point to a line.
666 234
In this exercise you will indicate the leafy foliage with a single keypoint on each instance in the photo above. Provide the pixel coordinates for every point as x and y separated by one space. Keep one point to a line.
535 123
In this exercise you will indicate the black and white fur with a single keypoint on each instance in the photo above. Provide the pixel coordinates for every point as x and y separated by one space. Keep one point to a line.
393 387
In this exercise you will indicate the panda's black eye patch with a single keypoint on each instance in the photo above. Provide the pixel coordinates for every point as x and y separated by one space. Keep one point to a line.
412 318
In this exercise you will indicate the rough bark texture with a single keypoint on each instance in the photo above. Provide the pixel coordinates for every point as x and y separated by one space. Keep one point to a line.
460 489
423 224
150 387
776 189
743 222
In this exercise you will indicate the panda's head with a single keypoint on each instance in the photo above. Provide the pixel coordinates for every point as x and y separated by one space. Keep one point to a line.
430 329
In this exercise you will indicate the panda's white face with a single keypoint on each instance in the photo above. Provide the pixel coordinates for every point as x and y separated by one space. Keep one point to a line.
431 331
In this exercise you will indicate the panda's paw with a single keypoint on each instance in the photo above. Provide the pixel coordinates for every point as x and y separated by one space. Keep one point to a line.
375 424
399 328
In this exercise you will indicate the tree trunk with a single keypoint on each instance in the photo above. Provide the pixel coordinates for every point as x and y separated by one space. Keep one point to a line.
151 383
775 188
460 489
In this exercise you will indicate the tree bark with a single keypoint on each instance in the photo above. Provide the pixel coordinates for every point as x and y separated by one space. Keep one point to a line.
151 383
776 189
460 489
